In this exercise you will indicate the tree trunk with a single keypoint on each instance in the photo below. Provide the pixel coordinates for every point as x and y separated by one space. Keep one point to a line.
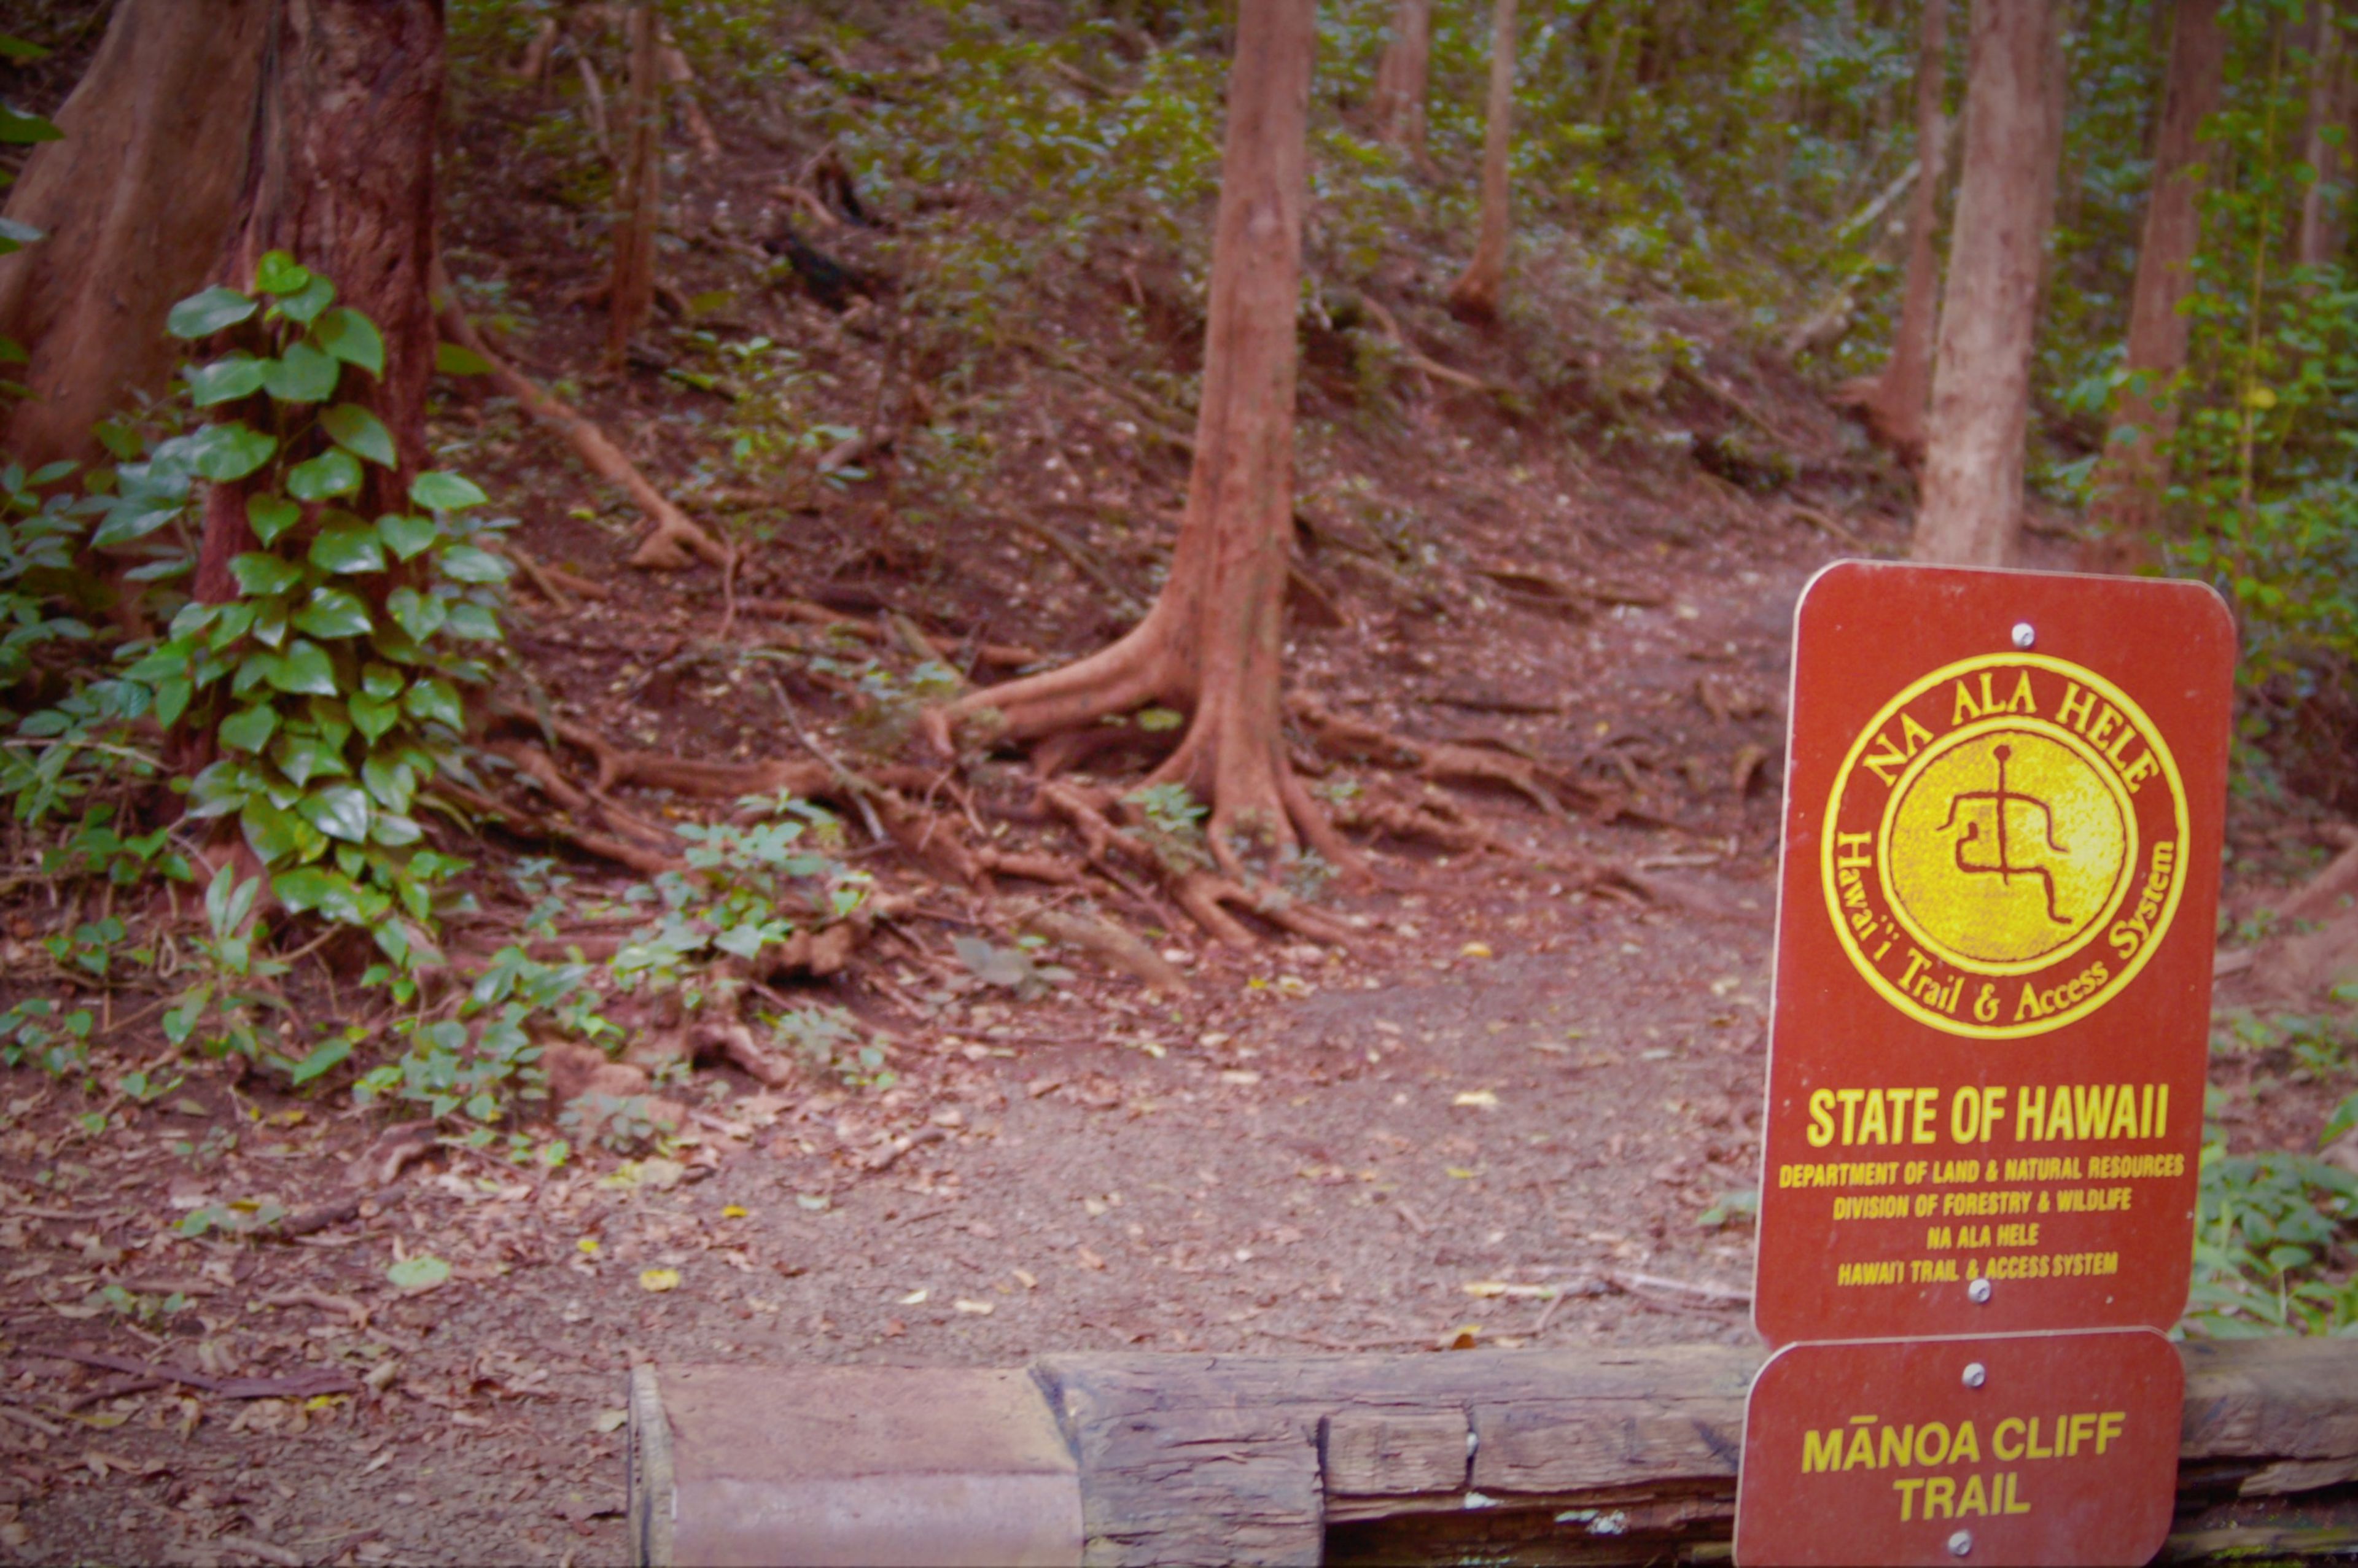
1476 292
1971 501
2326 147
1211 643
1400 78
1893 403
341 175
136 202
633 290
2132 469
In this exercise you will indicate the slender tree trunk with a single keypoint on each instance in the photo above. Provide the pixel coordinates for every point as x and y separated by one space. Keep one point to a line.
634 289
1400 78
2132 469
1971 498
2326 147
136 202
1894 401
1213 642
1476 292
341 175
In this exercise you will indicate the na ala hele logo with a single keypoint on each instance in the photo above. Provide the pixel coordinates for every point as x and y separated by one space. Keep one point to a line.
2005 846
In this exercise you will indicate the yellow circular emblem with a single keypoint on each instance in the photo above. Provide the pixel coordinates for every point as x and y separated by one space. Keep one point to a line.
2004 846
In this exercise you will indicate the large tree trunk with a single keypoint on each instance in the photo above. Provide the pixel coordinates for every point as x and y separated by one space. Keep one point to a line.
1971 502
341 175
1211 643
633 290
2326 147
1893 403
135 200
1476 292
1402 75
2133 468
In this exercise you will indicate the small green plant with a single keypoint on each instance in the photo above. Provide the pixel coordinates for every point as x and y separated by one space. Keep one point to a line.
1015 968
622 1123
1172 824
829 1041
330 682
477 1064
749 886
232 1007
36 1030
2271 1245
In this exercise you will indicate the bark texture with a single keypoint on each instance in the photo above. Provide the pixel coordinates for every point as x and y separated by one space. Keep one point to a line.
1893 403
136 202
1400 77
1211 643
1476 292
2132 471
1972 500
633 290
341 175
2326 144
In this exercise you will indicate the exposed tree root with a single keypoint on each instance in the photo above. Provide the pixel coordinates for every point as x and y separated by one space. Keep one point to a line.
1207 895
678 540
1442 762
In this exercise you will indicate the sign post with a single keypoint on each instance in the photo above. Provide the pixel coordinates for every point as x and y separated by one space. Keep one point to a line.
2004 798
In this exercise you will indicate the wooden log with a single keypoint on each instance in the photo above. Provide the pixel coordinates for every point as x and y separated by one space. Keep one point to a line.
1595 1456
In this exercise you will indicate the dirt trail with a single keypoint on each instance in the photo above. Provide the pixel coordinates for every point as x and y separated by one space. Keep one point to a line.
1505 1085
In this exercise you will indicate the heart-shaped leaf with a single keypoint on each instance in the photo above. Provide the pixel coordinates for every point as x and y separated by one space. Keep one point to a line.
225 380
465 563
259 573
352 548
352 338
356 430
416 614
306 757
229 450
473 621
442 492
202 315
330 473
408 535
278 272
435 698
340 811
394 832
301 375
333 613
271 515
249 729
390 785
274 834
373 717
305 304
381 681
304 666
316 887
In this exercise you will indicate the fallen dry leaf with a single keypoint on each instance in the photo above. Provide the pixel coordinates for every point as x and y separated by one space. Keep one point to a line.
1480 1099
979 1309
658 1280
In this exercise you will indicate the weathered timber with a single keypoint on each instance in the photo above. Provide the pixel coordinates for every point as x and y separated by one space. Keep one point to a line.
1524 1457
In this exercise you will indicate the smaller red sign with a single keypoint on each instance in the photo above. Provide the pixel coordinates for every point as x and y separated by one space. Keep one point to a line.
2049 1448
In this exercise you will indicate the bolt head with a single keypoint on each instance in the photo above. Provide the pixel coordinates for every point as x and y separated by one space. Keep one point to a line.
1960 1543
1976 1374
1978 1292
2023 634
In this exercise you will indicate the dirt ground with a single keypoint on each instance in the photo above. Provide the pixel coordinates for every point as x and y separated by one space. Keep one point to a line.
1502 1118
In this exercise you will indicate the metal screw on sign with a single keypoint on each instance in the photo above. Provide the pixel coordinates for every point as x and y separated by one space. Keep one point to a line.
1978 1292
1976 1374
1960 1543
2023 635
